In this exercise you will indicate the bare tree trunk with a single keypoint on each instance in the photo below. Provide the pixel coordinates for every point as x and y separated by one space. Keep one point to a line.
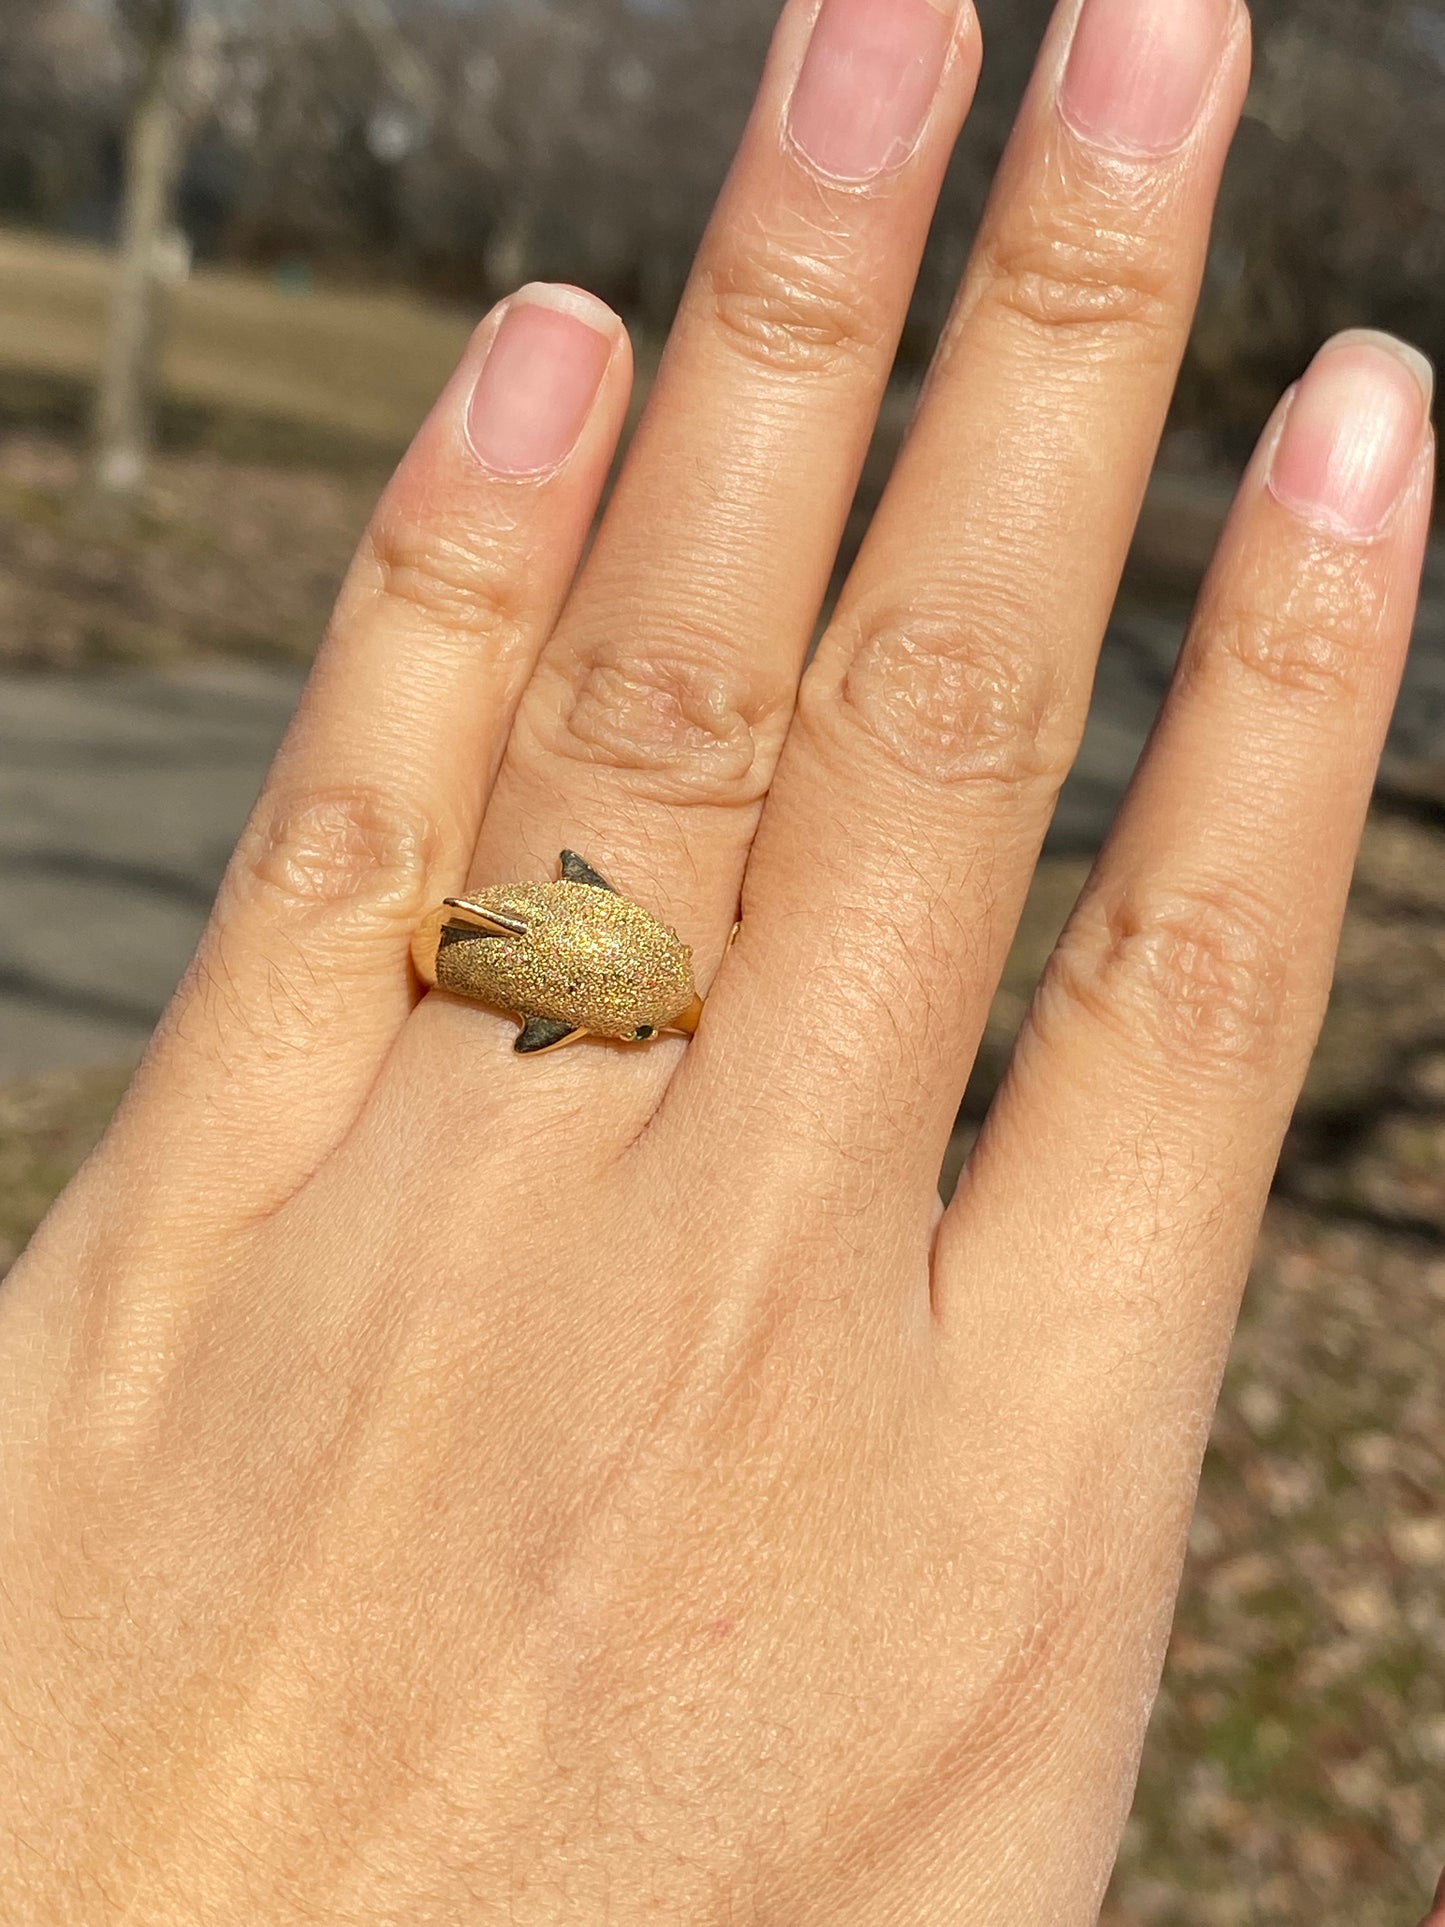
130 370
508 254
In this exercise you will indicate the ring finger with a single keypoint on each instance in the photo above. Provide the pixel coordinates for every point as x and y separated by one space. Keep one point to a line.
649 733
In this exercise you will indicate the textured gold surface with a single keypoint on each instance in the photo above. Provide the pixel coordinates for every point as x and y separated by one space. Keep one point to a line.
590 959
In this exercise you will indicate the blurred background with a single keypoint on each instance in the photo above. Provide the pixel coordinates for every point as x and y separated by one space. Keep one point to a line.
241 244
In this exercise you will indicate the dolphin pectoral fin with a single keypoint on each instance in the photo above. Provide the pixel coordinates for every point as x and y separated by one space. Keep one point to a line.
574 870
486 923
543 1034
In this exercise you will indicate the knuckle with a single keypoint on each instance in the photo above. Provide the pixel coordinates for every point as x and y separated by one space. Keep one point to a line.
1200 976
950 704
1314 651
1063 275
329 850
679 723
792 308
462 580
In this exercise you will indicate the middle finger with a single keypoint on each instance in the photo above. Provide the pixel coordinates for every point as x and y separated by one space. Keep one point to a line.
946 702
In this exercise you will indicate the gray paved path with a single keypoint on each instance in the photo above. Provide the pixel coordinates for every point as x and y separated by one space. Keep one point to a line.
121 794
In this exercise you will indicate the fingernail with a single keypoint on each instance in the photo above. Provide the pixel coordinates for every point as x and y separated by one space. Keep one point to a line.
1352 434
540 379
1139 71
867 83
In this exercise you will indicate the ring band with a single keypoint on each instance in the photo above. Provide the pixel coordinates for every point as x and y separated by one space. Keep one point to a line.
568 959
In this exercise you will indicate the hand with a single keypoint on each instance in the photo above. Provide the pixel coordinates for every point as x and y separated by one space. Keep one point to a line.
446 1486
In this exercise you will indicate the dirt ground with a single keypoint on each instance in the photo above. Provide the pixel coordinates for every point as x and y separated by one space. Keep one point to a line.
231 557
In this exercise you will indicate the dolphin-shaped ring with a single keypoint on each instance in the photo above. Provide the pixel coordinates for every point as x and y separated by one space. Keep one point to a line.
568 959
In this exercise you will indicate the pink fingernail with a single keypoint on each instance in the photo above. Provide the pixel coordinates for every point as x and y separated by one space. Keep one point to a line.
540 380
1140 71
868 82
1353 432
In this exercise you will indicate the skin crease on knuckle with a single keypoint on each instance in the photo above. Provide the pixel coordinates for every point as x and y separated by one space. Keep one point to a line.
339 855
1296 622
673 719
1195 979
945 701
459 578
792 303
1105 287
1095 268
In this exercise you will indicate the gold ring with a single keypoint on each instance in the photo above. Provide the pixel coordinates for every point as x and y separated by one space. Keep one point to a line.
567 960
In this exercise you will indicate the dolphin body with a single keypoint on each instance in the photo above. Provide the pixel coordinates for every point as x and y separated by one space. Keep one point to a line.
569 959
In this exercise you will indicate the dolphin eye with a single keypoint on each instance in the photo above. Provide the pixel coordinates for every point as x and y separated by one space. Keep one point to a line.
643 1033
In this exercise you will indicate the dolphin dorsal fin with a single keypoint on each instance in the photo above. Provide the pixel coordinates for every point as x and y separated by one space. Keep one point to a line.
574 870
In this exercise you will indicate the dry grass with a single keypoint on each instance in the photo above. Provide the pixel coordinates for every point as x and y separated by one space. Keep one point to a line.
360 367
